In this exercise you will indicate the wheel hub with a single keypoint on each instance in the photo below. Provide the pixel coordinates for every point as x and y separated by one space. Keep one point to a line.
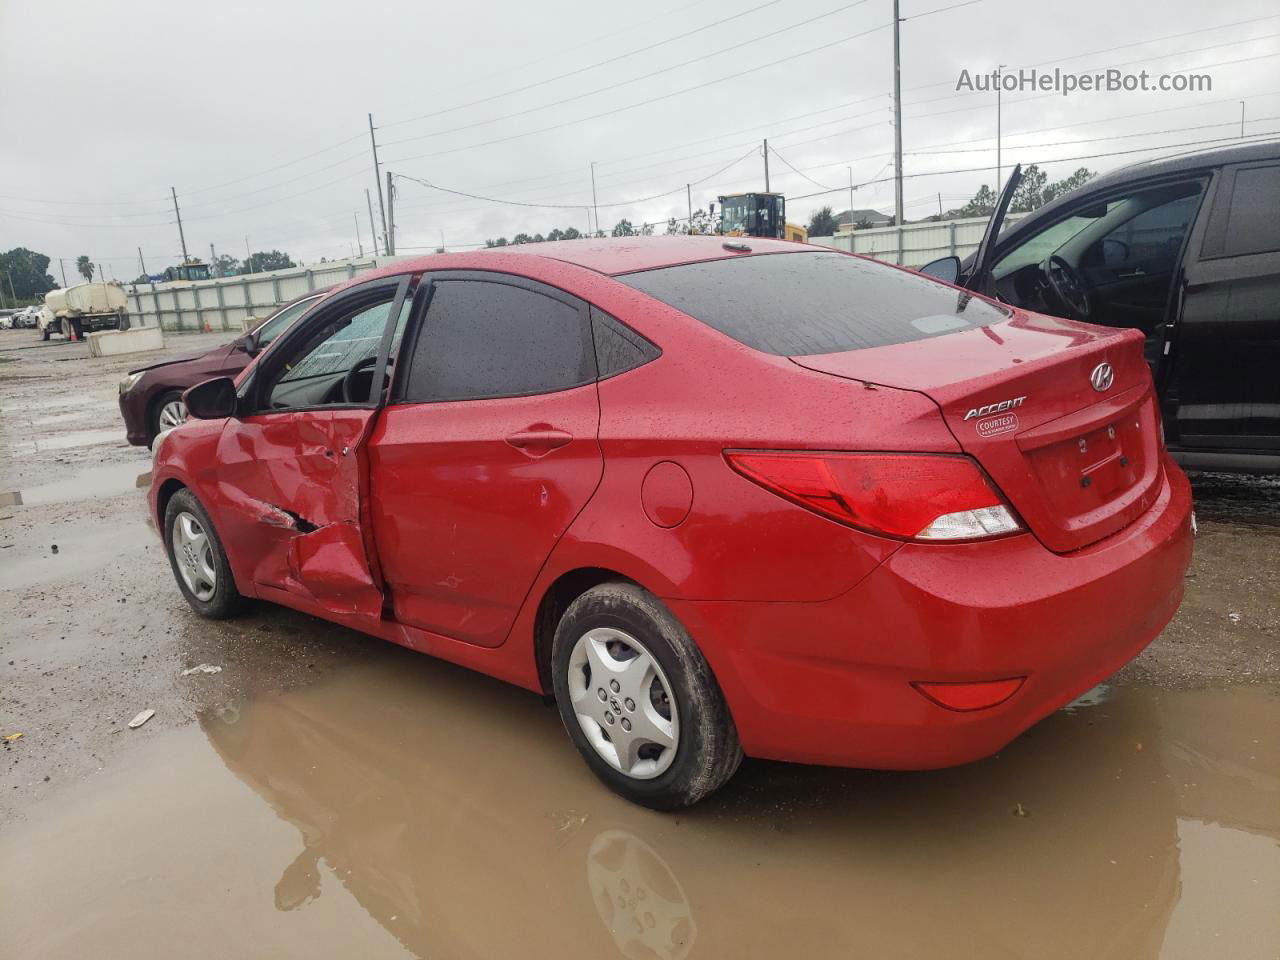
623 703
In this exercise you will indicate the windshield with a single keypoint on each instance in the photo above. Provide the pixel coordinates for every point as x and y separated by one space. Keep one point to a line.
1036 249
281 322
796 304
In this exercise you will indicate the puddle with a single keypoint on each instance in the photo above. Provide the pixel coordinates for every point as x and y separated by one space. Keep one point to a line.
73 438
108 480
406 808
83 550
1237 498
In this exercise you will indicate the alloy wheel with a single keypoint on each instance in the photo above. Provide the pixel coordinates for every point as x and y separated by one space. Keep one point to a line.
172 414
623 702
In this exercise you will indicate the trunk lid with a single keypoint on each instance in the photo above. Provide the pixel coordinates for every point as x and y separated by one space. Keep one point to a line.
1077 461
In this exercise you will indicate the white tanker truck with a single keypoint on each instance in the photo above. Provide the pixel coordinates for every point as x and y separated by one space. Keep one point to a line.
83 309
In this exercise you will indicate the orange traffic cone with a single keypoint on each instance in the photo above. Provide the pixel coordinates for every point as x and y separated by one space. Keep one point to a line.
207 328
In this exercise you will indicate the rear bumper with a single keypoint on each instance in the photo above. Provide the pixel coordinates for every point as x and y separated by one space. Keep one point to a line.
830 682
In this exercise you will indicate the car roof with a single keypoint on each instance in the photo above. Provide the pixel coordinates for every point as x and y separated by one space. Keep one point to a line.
617 255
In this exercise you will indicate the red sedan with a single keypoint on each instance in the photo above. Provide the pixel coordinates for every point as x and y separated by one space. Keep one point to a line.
716 497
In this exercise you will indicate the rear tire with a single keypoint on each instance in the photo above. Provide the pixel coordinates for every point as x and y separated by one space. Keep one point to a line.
198 560
639 701
44 334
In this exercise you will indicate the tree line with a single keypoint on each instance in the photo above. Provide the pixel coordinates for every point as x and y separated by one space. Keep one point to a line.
1033 192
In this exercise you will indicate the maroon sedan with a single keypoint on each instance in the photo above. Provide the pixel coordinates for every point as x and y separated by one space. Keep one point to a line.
151 396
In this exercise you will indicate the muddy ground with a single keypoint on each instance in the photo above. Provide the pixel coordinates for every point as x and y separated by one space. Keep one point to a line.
326 794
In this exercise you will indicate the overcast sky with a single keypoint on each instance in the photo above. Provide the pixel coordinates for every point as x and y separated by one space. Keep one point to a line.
256 111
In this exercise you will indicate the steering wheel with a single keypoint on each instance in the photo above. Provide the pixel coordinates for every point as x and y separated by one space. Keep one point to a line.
349 381
1067 287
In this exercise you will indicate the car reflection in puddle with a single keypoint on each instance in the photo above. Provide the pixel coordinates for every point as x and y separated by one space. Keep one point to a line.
452 810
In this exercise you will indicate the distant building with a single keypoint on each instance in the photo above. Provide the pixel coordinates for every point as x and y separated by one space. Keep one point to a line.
846 220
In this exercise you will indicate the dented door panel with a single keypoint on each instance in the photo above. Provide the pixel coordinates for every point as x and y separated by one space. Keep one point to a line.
292 483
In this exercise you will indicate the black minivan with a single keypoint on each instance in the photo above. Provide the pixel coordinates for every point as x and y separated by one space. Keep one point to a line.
1187 250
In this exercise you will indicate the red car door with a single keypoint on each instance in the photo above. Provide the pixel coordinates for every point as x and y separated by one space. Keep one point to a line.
488 453
292 476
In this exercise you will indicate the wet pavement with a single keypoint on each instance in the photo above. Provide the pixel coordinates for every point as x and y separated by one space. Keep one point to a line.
326 794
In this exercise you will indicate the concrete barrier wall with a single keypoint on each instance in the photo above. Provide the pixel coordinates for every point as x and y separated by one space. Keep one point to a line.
225 303
114 343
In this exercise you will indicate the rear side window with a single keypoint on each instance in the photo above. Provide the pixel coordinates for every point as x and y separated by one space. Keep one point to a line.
794 304
1252 223
618 347
483 339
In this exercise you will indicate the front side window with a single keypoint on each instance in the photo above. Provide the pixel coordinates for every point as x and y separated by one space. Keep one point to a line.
485 339
281 322
335 364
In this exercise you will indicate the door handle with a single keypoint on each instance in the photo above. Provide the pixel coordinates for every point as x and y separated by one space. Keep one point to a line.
539 439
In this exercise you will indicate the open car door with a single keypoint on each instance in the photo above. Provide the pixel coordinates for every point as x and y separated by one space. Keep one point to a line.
293 471
978 276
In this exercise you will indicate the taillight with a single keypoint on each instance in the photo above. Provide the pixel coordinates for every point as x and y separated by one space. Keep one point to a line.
911 496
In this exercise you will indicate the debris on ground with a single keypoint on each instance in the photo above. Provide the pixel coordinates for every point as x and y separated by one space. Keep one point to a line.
1233 617
1020 811
141 718
9 738
201 668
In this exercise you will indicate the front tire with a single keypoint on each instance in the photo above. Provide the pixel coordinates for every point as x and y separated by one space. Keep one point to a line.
198 560
639 701
167 412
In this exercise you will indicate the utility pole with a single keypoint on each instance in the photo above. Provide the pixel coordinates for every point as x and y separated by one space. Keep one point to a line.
999 96
939 204
377 178
391 217
897 118
1241 119
213 258
177 214
766 164
63 266
850 169
595 209
247 256
355 218
141 263
688 192
373 230
12 296
102 274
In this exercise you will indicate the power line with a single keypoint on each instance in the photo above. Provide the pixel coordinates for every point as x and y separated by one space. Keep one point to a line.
570 206
642 103
579 70
623 83
1250 138
1122 46
788 163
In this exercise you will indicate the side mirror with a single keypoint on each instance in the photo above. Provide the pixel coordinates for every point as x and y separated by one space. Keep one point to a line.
212 400
945 268
249 344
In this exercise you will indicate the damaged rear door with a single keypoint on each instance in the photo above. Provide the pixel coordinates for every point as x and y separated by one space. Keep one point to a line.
293 474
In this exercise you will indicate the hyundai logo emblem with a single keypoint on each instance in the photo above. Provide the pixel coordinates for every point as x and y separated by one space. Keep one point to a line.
1102 377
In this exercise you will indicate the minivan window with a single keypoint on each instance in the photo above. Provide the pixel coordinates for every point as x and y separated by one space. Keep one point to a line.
1252 223
794 304
485 339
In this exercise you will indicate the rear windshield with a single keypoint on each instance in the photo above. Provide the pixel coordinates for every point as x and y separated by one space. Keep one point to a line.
795 304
